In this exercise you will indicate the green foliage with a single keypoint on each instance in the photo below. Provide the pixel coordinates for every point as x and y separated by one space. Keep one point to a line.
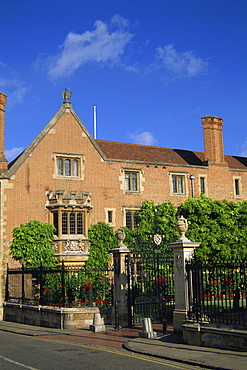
32 244
102 239
220 226
154 219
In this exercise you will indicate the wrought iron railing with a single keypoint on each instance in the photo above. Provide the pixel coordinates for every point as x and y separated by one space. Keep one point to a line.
217 291
151 289
60 286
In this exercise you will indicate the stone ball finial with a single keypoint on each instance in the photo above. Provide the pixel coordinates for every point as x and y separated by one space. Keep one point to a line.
66 94
182 227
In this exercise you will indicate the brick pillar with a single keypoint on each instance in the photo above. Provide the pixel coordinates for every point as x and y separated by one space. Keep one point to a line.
120 294
213 140
3 161
183 249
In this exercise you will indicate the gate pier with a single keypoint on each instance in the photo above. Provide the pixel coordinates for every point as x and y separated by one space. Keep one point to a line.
183 249
120 294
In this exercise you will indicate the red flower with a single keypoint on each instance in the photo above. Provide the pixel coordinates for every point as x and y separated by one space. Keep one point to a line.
229 281
214 282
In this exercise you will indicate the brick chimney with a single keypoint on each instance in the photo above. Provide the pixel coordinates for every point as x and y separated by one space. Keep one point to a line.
213 140
3 161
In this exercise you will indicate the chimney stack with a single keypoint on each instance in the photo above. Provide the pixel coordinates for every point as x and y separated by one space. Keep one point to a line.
213 140
3 161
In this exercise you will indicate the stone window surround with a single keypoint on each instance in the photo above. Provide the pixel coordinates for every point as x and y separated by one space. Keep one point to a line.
113 210
128 209
81 165
238 178
184 175
205 184
140 180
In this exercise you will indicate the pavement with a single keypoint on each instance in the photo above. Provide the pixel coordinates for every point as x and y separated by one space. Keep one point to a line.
169 346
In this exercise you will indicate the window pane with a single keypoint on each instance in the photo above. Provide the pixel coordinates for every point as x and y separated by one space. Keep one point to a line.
59 167
128 220
237 190
74 167
64 223
110 216
127 181
79 223
174 184
180 184
134 181
72 223
202 185
135 219
67 167
55 222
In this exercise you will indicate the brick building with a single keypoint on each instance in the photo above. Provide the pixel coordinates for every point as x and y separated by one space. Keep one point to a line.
67 178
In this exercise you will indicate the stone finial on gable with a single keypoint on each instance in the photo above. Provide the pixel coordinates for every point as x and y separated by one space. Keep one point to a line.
66 94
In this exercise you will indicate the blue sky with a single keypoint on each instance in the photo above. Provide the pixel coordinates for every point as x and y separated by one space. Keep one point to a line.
152 67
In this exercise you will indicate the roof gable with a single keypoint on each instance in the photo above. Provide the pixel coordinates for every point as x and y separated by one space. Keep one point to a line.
125 152
66 107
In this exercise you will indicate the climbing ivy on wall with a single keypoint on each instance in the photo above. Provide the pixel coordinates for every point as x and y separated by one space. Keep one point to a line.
102 238
220 226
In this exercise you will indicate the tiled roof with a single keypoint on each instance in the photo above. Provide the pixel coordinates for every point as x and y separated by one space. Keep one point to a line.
150 154
235 162
155 154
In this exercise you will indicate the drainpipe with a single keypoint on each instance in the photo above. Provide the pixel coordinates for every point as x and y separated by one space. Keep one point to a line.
192 178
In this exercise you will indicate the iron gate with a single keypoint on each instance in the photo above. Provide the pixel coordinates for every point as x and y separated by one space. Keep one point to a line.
150 286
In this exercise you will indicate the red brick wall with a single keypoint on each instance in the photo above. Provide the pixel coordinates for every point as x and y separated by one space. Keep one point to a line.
26 201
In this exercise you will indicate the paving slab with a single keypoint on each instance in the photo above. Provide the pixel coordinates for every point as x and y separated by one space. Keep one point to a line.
171 347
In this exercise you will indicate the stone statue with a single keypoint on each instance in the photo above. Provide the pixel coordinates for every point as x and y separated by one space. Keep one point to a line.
66 95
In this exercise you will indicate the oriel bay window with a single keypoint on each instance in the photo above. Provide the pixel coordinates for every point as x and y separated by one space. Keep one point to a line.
69 212
69 222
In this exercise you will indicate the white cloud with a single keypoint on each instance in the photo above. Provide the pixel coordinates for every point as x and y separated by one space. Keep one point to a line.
14 88
180 64
13 153
143 138
105 44
244 149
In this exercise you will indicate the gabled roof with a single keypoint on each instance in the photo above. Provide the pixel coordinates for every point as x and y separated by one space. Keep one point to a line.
66 107
125 152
